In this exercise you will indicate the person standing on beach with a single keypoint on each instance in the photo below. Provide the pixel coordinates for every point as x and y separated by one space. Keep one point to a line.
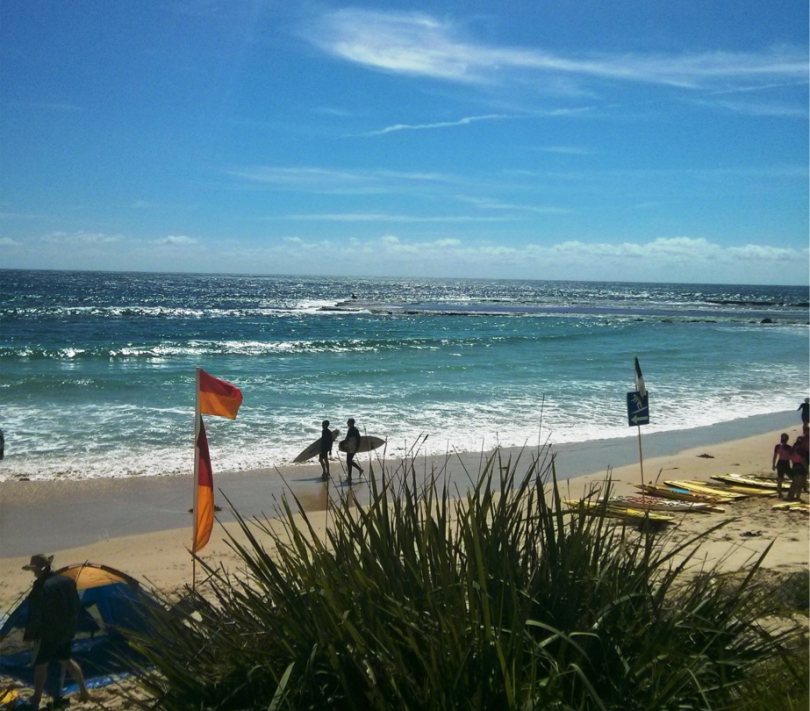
798 470
53 616
326 449
805 415
352 444
782 462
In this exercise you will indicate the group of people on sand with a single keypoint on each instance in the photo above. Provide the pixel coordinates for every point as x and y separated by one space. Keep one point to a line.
791 460
351 444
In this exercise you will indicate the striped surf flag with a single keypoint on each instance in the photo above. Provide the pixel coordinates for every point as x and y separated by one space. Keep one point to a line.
203 493
218 397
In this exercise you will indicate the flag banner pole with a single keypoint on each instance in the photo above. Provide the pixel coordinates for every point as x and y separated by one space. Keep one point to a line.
196 478
640 457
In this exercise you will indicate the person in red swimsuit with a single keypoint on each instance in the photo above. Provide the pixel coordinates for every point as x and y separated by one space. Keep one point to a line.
798 471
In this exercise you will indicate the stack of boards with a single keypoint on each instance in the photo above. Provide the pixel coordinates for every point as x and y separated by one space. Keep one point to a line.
686 495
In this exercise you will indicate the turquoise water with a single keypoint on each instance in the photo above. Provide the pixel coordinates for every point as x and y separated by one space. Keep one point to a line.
97 370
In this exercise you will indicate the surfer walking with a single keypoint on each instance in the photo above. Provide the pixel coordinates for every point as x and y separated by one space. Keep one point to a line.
352 444
782 456
804 409
326 449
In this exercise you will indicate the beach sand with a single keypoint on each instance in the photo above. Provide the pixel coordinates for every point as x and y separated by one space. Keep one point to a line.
160 559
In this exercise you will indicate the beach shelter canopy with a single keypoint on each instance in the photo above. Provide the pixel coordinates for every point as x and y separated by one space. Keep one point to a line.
113 603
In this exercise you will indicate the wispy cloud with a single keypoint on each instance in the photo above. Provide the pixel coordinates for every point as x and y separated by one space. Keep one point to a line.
565 150
421 45
384 217
466 121
752 108
489 204
328 181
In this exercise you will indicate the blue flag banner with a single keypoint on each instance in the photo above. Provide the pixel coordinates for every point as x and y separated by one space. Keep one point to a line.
638 408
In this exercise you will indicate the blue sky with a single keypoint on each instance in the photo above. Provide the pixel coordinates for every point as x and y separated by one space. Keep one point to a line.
558 139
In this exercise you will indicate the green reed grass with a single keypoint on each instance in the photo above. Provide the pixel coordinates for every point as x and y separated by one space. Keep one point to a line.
428 598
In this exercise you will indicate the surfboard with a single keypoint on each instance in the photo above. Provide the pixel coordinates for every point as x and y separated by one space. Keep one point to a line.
740 490
367 443
741 480
702 488
652 503
313 449
799 506
670 492
620 512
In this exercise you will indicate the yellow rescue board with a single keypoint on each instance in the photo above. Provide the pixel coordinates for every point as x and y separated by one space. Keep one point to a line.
621 512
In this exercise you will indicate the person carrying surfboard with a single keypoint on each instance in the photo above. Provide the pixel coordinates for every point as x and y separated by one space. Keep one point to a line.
352 444
326 449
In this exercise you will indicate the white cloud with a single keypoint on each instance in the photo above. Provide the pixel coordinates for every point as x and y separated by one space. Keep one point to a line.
684 259
176 240
755 252
8 242
80 238
421 45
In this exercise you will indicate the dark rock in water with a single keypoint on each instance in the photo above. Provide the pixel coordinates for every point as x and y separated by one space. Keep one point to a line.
767 320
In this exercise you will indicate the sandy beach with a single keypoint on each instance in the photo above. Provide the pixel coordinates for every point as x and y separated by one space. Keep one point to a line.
143 527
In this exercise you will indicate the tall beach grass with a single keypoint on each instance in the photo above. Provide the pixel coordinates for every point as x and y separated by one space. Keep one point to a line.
495 598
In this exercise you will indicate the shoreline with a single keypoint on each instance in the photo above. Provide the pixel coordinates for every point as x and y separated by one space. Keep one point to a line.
159 558
81 513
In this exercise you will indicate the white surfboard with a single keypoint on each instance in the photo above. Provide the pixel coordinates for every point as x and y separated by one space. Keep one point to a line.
313 449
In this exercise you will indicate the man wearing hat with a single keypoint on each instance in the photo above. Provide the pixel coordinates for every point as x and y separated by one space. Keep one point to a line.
53 614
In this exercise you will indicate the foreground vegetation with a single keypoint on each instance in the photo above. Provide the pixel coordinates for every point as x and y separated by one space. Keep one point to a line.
497 599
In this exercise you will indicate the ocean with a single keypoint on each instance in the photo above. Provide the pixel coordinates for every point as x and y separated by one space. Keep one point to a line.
97 370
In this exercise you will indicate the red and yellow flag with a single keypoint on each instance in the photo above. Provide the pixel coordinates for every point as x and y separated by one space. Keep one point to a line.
204 494
218 397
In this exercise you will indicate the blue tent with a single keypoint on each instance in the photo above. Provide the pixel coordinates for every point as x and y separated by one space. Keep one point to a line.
113 603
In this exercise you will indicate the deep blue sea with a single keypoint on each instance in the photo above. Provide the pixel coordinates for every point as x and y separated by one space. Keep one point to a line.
97 370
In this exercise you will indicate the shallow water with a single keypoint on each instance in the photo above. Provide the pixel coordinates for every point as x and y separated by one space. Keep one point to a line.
97 370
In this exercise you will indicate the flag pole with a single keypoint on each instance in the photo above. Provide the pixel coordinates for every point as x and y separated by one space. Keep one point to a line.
640 458
196 480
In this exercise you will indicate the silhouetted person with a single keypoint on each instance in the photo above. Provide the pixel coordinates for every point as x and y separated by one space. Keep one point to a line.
53 616
805 415
782 456
352 444
326 449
